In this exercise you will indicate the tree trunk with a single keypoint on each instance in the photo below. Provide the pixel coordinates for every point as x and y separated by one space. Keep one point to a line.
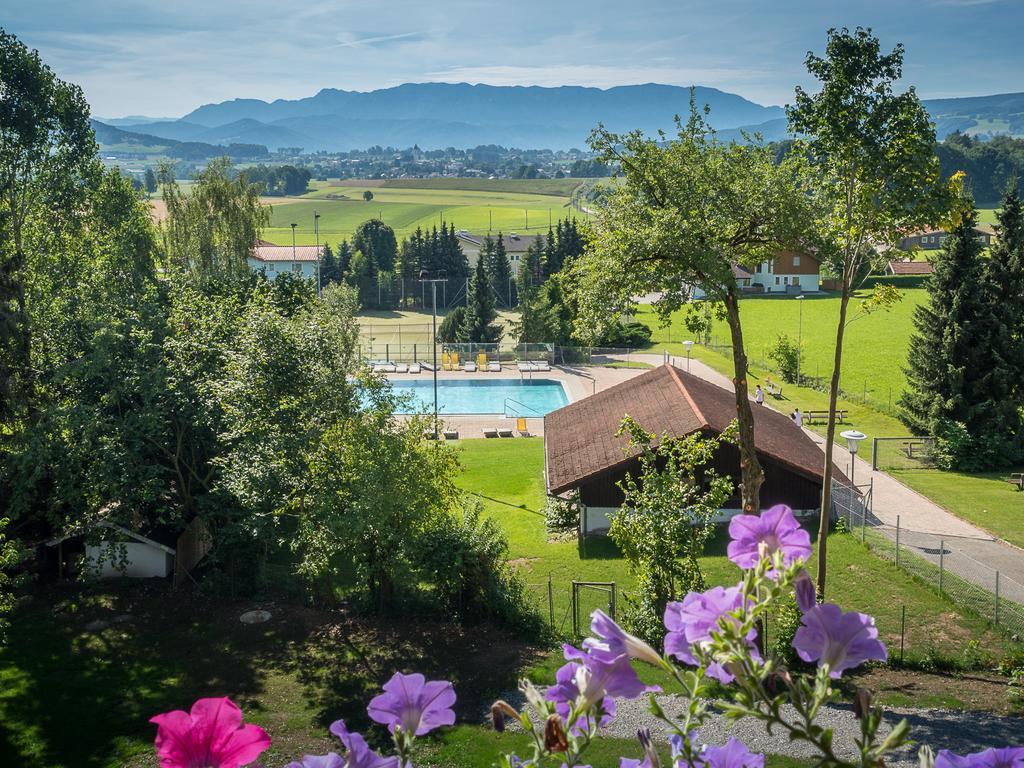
830 438
751 474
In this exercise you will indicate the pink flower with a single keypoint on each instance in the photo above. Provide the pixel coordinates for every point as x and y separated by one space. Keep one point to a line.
413 704
210 736
774 530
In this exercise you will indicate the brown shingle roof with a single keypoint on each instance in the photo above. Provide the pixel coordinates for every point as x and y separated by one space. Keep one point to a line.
277 253
911 267
580 442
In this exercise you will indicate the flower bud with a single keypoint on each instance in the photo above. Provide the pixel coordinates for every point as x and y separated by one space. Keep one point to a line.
862 703
803 585
554 735
499 711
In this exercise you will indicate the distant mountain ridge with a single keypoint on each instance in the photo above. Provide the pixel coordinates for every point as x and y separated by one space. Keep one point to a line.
437 115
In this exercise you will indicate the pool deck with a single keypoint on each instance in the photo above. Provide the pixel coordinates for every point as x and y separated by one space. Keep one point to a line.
579 382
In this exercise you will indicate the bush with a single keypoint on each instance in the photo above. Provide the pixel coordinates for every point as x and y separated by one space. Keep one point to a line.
786 355
463 560
787 621
447 332
957 449
562 515
626 335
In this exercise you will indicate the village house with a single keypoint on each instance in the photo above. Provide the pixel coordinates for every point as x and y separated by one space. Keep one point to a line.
790 272
516 246
583 456
933 239
273 260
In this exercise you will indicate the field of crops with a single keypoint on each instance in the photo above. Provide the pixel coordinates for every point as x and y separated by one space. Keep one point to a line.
500 207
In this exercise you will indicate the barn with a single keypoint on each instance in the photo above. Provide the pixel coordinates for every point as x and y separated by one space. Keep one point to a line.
583 455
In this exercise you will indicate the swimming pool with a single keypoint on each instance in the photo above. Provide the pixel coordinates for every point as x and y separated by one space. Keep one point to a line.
515 397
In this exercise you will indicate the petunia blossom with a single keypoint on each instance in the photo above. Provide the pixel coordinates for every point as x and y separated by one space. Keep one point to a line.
413 704
357 752
566 691
804 588
597 676
691 622
774 530
841 640
330 760
732 754
211 735
612 640
1006 757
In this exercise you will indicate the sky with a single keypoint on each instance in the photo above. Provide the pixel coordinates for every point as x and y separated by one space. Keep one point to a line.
142 57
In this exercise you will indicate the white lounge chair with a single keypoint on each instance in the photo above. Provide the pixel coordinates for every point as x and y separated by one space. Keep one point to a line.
541 365
494 367
414 368
451 434
401 368
490 431
469 367
505 432
523 366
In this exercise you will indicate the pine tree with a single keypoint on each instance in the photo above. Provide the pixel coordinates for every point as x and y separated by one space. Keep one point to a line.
949 349
496 264
328 267
344 257
535 260
478 326
530 327
552 257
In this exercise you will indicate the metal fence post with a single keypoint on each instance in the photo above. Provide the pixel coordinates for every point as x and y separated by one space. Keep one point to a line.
874 454
997 598
897 539
551 603
942 561
903 629
575 612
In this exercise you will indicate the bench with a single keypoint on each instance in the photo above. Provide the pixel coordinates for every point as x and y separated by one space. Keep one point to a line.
1017 479
812 416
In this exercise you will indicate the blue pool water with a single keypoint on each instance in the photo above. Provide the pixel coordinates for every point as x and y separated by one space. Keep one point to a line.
517 397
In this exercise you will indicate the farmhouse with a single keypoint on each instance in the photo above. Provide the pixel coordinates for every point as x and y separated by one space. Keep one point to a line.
273 260
933 239
792 272
582 453
516 246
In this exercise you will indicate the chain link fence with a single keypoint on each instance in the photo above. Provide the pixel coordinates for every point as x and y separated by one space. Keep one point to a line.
934 560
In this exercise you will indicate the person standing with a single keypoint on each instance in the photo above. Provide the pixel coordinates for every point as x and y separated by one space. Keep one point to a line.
798 418
759 395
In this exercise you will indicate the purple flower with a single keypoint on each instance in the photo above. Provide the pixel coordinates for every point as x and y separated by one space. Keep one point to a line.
1007 757
330 760
357 752
692 621
566 690
804 588
650 758
733 754
411 703
612 640
841 640
598 676
774 530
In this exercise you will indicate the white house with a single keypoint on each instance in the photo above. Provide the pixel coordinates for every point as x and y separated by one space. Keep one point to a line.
273 260
792 272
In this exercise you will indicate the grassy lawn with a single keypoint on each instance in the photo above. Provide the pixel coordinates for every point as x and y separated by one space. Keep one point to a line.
984 499
507 476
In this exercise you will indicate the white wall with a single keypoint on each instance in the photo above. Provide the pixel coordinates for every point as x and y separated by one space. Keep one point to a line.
274 268
142 560
598 518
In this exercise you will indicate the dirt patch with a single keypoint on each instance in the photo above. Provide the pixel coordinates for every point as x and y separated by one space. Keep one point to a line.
525 563
981 691
158 208
358 183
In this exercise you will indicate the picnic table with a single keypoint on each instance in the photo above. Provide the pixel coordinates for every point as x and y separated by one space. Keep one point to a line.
909 446
815 415
1017 479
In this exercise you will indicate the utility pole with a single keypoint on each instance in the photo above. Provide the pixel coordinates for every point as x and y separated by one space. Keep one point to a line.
316 231
433 289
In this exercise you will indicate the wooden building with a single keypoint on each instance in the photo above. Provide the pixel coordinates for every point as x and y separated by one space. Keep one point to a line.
582 453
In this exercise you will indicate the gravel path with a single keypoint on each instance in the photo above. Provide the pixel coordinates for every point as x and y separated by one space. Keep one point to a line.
959 730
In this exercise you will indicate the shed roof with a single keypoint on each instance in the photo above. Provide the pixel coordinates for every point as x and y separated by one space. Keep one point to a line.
580 441
278 253
911 267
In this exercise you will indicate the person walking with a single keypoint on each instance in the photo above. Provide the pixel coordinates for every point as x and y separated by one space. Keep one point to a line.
759 395
798 417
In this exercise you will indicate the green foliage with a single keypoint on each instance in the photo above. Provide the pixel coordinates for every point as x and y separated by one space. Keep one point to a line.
10 557
149 181
279 180
376 240
631 334
211 231
666 519
783 629
561 516
786 355
495 262
448 330
463 555
367 195
991 166
478 326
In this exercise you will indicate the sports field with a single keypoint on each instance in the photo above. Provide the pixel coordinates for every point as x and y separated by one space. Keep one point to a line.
478 205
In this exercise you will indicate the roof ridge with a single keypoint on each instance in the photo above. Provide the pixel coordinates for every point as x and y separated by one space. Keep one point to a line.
685 393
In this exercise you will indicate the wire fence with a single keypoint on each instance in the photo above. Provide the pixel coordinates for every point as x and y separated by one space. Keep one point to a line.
909 452
400 347
935 560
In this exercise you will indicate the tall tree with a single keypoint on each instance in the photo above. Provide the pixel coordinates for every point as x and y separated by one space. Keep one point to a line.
47 164
377 242
499 271
478 325
877 174
687 210
211 231
150 181
329 272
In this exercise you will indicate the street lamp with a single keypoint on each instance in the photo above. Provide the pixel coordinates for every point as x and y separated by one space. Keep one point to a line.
316 231
433 289
799 338
294 259
853 438
689 346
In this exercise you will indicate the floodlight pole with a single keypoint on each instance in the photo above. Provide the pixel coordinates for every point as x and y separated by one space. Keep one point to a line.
316 231
799 338
433 317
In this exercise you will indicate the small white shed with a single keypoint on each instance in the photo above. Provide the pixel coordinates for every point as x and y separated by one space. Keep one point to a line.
132 555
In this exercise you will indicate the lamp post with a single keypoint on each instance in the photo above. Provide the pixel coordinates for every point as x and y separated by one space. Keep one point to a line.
853 438
433 289
316 232
689 346
294 259
799 338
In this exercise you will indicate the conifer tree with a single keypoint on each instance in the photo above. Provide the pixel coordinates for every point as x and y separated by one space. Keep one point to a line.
948 357
328 268
531 327
499 272
478 326
344 257
535 261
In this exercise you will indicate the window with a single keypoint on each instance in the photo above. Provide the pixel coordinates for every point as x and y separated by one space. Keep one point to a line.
776 279
296 267
796 261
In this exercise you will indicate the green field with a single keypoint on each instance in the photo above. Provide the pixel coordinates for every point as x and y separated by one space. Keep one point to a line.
559 187
476 205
